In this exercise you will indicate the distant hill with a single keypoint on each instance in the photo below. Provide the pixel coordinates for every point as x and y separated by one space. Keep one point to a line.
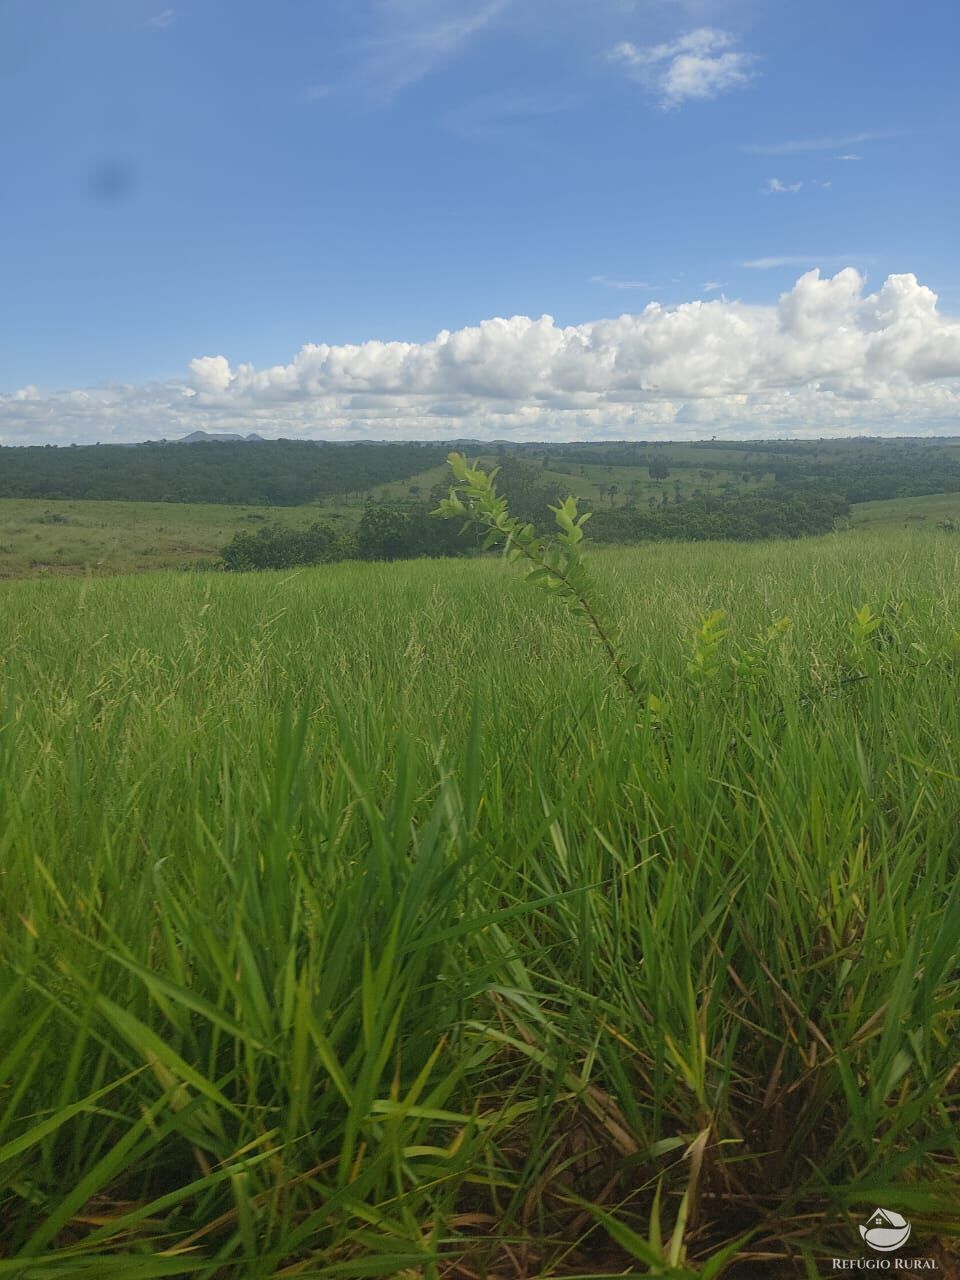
226 437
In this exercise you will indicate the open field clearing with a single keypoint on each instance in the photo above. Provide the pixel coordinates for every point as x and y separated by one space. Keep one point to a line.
355 923
616 486
928 509
40 536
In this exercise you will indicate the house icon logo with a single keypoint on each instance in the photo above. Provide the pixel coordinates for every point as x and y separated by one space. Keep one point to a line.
885 1231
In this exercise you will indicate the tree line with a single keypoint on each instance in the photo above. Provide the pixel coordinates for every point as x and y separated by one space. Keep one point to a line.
404 531
296 472
282 473
748 517
398 531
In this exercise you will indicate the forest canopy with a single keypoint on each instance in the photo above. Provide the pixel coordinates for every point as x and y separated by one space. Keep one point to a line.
282 473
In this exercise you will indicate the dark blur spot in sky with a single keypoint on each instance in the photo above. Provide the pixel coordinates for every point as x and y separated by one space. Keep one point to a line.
112 181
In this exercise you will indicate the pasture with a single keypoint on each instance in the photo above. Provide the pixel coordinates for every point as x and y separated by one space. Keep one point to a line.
40 537
929 509
356 923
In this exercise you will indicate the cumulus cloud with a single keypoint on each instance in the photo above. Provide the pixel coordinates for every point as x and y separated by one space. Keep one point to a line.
776 187
829 358
210 374
699 65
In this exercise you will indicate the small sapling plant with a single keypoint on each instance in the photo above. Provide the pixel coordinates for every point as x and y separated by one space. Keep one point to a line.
555 563
706 659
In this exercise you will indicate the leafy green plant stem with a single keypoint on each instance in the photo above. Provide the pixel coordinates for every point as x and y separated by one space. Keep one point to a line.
557 564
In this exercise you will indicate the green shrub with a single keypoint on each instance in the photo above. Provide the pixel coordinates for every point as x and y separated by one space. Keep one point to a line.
276 547
405 532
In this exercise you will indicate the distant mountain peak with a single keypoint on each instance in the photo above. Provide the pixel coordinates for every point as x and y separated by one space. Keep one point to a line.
226 437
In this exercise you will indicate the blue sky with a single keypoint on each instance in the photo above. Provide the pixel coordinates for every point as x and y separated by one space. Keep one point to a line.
211 179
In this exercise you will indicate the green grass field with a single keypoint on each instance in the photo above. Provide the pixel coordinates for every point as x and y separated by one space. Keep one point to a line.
355 923
906 511
40 536
633 484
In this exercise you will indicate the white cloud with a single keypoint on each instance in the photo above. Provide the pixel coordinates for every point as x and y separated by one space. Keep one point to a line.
829 358
821 144
850 156
210 374
621 284
700 65
412 38
712 286
803 260
161 20
776 187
